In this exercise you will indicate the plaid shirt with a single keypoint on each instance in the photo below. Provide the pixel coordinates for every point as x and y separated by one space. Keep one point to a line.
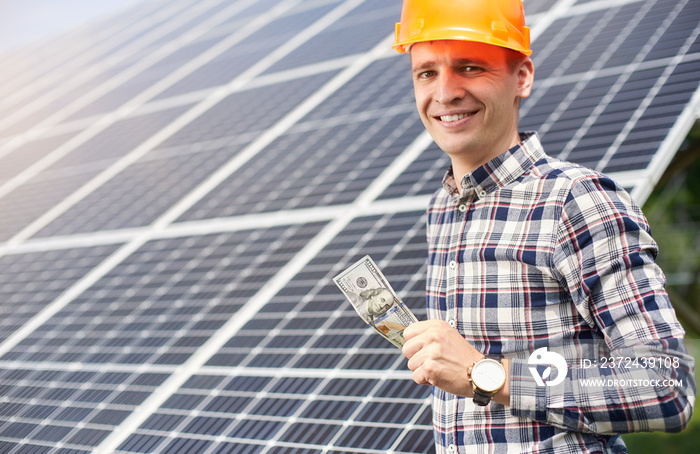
536 252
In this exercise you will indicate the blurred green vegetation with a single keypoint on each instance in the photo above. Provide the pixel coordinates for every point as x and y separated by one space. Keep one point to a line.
673 211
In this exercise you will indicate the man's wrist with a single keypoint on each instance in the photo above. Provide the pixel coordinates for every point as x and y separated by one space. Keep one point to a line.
488 377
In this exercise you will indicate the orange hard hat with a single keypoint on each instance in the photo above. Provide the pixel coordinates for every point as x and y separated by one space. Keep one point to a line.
497 22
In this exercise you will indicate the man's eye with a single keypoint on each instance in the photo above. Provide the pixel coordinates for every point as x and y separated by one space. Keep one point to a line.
471 69
426 74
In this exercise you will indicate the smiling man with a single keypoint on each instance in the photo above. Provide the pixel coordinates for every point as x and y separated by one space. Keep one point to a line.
468 97
534 263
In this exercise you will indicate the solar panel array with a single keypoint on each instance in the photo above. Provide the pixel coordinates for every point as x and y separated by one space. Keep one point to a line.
179 184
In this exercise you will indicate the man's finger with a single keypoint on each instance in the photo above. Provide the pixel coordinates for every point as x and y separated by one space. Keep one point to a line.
415 329
411 346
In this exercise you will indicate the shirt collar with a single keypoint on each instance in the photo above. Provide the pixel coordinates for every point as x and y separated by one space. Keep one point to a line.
500 171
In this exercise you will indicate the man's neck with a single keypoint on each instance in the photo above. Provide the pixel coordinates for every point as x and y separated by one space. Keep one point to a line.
463 165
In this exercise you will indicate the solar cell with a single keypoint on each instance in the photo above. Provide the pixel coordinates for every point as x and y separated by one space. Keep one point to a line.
16 161
263 107
179 186
77 406
137 196
141 312
31 281
324 171
342 38
40 101
264 39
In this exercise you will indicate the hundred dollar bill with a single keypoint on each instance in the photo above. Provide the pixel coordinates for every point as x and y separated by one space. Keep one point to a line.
374 300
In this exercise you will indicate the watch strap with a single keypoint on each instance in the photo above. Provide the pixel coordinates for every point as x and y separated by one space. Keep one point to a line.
481 398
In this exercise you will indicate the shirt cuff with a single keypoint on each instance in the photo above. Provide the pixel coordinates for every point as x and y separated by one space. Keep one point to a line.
527 399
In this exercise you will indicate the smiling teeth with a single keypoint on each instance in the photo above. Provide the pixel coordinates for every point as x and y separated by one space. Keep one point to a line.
453 117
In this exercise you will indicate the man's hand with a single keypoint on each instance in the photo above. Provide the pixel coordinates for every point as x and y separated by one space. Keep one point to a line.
438 355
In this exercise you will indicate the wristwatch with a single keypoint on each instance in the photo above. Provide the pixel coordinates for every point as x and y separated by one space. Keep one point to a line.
487 375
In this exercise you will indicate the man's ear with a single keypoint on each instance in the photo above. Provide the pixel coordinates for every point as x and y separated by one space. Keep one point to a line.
526 77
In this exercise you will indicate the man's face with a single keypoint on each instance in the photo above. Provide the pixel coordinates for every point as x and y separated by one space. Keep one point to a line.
467 96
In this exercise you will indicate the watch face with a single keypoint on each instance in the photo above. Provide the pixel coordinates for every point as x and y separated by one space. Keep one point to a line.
488 375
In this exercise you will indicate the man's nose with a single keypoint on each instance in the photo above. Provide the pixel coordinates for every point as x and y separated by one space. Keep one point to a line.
450 88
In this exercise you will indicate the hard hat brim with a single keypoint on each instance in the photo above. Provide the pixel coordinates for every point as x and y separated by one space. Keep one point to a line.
454 34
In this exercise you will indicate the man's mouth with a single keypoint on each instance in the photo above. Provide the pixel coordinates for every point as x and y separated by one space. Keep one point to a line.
455 117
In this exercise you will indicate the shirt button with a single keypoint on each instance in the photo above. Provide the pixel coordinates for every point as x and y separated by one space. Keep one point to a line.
453 264
452 322
462 208
482 193
452 448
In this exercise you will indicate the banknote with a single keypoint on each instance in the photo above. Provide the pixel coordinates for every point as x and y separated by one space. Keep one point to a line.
374 300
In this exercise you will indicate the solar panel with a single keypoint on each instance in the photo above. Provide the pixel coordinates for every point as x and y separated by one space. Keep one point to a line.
179 185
